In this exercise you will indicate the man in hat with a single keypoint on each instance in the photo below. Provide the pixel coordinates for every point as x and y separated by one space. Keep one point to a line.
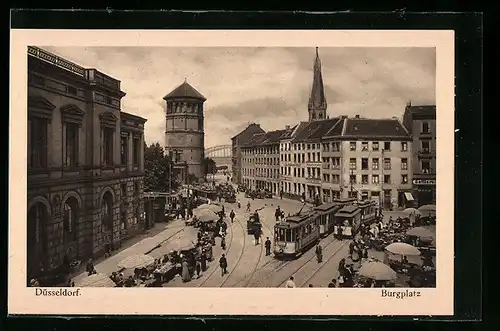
223 264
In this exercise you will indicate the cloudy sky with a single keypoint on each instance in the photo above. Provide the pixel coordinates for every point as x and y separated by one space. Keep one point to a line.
270 86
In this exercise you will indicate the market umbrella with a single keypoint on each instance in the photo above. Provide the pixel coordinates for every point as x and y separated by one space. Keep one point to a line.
208 216
136 261
413 211
420 232
96 280
427 210
402 249
377 271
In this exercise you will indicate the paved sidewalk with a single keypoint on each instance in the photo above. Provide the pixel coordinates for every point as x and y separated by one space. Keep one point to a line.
144 246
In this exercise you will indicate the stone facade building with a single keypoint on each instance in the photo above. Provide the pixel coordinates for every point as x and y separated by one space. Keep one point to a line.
421 123
237 141
376 161
85 161
261 161
184 130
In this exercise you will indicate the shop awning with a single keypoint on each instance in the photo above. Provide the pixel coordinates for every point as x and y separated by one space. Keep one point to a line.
408 196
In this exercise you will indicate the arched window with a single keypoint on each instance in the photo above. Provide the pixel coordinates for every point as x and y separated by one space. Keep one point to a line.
70 219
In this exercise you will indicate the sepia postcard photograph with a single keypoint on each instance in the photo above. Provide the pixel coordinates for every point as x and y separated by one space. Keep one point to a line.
231 172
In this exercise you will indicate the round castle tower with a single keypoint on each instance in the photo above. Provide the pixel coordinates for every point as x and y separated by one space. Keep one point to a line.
184 129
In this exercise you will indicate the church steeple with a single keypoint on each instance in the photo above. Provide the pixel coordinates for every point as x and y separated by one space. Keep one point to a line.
317 100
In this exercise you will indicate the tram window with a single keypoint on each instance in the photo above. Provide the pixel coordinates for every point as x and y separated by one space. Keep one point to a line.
288 236
281 235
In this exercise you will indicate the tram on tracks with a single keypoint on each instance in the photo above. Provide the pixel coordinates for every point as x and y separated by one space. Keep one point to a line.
349 220
326 214
205 194
368 212
296 234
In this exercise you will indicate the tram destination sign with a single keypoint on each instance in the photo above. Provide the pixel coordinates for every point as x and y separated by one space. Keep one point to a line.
424 182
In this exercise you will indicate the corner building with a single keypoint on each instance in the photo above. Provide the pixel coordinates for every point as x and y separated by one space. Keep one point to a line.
184 130
85 160
421 123
237 142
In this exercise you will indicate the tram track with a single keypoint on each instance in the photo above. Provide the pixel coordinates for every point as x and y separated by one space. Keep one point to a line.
216 266
322 265
239 257
310 258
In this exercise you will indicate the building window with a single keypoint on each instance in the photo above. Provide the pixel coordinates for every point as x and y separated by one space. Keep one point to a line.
352 163
387 145
364 146
124 150
375 164
336 147
137 151
352 179
404 146
308 146
70 219
375 179
123 189
335 179
200 124
72 130
108 146
352 146
404 179
37 138
364 179
364 163
425 127
387 163
336 162
387 179
404 164
425 146
375 145
426 167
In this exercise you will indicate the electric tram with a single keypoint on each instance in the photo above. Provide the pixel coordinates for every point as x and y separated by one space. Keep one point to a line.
296 234
349 219
368 212
326 214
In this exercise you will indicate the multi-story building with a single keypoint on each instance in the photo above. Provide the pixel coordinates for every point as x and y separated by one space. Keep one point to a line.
184 130
307 173
376 161
237 141
261 161
85 161
421 123
287 164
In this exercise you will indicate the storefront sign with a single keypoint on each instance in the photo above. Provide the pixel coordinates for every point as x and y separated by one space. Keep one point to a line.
424 182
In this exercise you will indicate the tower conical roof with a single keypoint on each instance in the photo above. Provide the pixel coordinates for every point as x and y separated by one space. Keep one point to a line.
184 91
317 98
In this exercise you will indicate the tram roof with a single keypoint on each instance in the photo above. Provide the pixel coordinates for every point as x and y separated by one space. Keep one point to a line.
364 203
348 211
298 218
345 200
327 206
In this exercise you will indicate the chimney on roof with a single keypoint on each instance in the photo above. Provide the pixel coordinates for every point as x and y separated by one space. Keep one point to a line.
357 116
287 127
408 103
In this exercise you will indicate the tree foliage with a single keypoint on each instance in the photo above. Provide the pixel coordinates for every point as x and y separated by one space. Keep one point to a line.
209 166
158 167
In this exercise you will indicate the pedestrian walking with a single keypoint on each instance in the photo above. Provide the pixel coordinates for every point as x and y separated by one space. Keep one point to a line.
223 264
256 235
351 248
248 206
319 253
232 215
239 204
268 246
203 261
277 214
224 228
290 283
223 242
340 233
198 269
